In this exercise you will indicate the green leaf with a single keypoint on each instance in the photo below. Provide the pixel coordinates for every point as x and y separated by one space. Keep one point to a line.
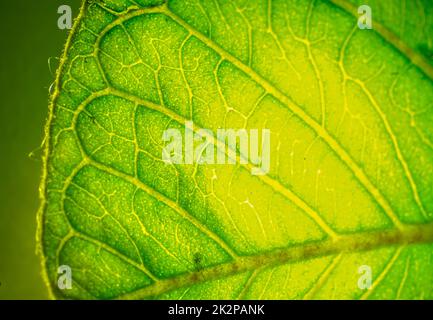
350 186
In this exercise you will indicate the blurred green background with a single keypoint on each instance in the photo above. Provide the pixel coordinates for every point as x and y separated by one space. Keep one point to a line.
29 37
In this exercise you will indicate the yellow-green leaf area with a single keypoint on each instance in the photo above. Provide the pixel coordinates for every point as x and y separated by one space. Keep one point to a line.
350 184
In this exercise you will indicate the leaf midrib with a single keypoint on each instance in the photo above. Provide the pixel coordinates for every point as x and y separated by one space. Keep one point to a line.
407 235
344 243
347 243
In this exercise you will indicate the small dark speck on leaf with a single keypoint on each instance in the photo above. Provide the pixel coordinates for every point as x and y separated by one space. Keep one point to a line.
197 259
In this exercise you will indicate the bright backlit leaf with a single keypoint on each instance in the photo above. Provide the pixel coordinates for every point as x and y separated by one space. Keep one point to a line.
348 199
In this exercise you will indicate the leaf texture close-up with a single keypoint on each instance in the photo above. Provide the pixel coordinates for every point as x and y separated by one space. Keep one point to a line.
349 188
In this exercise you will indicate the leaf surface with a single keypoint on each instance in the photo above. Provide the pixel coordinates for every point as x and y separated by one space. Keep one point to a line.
351 178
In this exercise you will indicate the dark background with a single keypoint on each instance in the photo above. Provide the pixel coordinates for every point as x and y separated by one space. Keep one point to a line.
29 37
